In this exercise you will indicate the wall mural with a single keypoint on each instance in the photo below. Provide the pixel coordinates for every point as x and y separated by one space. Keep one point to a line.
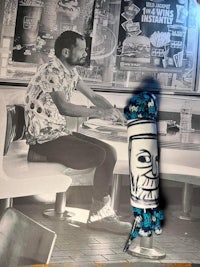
127 40
39 22
153 36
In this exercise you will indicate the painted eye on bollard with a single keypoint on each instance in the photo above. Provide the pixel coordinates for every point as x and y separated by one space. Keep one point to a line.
144 159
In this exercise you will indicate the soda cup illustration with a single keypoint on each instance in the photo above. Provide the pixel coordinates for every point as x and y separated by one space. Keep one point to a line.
29 15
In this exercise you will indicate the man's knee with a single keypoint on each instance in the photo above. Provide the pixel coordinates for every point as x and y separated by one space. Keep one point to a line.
105 154
111 154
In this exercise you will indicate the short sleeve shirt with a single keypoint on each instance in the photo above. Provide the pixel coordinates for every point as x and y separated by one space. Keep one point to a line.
43 120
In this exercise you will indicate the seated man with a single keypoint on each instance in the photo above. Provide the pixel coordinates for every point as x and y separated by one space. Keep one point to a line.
47 102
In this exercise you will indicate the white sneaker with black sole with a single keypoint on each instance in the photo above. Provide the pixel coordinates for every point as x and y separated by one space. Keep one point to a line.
103 217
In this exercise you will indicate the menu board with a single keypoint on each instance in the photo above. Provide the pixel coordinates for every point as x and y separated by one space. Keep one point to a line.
152 34
39 22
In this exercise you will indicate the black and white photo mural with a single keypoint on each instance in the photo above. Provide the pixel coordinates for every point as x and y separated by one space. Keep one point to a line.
39 22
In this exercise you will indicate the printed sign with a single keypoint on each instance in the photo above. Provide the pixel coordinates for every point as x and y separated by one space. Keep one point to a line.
152 34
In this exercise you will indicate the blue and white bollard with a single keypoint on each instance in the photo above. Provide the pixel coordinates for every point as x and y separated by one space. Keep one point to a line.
141 114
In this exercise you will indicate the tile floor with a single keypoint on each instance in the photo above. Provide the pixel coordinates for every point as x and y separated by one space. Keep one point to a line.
76 244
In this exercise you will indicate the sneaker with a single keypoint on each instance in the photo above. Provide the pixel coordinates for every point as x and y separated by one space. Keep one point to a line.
103 217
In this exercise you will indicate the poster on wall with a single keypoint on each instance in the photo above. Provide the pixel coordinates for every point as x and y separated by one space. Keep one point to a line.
152 34
39 22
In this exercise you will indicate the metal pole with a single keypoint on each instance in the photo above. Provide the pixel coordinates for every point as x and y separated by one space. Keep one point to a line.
146 242
146 250
60 202
115 194
5 203
186 202
59 212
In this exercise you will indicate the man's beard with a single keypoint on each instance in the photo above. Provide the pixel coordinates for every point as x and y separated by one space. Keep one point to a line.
80 62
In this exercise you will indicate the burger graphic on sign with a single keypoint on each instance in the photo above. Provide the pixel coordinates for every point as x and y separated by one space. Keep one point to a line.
137 47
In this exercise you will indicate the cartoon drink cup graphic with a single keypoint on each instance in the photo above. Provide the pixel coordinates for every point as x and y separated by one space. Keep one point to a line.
29 15
177 36
68 12
159 48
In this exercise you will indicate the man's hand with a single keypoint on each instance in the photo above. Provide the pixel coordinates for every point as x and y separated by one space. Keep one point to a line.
120 117
112 114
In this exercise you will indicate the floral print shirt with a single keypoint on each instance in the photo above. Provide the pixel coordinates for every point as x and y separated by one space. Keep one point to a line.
43 120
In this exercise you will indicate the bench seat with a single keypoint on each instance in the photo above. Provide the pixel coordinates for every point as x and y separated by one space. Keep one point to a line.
19 178
30 178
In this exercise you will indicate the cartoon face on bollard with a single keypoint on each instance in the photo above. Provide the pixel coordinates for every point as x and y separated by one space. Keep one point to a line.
144 171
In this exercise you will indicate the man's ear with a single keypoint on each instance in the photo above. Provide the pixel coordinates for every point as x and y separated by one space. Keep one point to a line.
65 52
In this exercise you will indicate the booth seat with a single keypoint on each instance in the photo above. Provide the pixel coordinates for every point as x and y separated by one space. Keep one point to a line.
19 178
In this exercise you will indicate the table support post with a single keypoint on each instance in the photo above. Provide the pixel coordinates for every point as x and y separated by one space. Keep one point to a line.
5 203
186 202
58 213
115 193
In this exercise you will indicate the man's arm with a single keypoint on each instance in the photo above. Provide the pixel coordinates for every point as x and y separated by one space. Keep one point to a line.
102 108
100 102
68 109
96 99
